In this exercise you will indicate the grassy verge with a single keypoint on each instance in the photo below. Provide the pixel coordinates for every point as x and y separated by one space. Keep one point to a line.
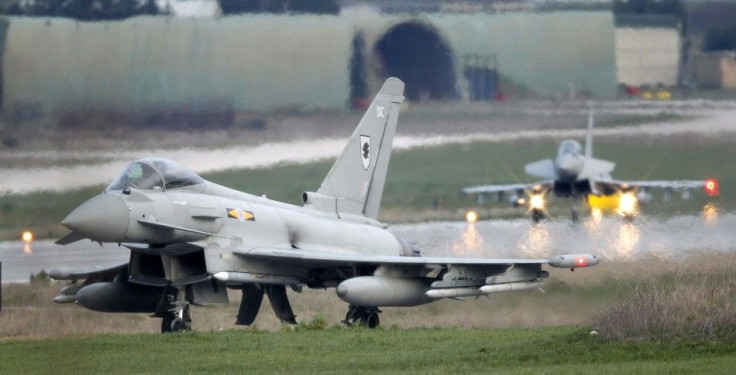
571 298
424 184
477 336
340 350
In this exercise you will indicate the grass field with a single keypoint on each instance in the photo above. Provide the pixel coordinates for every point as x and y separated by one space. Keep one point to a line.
358 350
420 178
516 333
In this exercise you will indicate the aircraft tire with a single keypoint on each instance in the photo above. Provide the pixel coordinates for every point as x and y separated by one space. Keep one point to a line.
372 321
361 315
167 323
537 216
172 323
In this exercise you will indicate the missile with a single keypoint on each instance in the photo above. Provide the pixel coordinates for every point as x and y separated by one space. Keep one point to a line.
65 298
486 289
245 277
453 292
384 291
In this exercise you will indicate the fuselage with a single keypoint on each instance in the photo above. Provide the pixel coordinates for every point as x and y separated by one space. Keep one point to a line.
568 166
206 208
570 161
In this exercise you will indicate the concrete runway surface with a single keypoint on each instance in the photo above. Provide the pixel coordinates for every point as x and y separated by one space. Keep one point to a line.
649 237
97 167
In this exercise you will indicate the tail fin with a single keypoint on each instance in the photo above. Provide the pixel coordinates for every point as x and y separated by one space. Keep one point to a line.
357 178
589 134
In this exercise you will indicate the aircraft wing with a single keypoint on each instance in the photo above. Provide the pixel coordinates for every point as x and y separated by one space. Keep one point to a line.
542 168
508 187
660 184
596 167
332 259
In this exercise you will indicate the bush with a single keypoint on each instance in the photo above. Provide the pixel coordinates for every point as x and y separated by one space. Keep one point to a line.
699 307
317 323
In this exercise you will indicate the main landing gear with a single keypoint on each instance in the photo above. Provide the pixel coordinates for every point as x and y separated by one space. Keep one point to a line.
537 215
361 315
176 317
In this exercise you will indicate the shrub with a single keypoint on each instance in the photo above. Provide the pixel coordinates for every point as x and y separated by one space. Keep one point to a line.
699 307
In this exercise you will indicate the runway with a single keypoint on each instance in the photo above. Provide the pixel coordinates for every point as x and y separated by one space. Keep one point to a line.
613 240
100 167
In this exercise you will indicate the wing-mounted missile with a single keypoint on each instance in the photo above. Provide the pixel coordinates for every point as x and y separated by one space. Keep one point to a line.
473 281
484 290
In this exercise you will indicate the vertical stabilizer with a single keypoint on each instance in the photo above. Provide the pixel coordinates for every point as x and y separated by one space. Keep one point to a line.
356 179
589 134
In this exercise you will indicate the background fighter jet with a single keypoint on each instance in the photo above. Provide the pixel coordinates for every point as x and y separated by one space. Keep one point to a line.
577 175
190 239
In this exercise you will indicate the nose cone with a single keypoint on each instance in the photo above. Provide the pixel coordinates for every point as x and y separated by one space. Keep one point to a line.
569 166
103 218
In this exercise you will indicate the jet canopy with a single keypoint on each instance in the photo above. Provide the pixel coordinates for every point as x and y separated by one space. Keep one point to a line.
156 174
569 147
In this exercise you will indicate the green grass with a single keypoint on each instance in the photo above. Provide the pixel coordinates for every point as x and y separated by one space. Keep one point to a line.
420 178
357 350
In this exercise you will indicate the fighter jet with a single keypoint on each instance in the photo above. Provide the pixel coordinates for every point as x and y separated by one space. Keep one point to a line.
190 239
577 175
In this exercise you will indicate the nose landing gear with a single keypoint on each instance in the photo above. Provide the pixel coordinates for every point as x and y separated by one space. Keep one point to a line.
176 318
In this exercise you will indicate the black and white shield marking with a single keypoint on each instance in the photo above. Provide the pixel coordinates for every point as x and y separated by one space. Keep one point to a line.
365 151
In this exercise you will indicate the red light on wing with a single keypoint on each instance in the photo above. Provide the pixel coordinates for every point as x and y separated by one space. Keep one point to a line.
711 187
581 262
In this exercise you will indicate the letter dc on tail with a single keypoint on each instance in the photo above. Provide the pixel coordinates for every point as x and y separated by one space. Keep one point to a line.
190 240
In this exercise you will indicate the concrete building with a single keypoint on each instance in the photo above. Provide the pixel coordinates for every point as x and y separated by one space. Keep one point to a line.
647 55
716 70
261 62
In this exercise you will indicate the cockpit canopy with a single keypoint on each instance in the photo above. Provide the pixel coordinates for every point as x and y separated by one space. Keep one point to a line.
155 173
569 147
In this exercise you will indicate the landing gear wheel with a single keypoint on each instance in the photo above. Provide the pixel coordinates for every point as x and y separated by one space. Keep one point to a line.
176 319
372 321
574 215
360 315
172 322
537 216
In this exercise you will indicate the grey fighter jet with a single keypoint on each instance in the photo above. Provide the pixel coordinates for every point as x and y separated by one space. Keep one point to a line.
577 175
190 239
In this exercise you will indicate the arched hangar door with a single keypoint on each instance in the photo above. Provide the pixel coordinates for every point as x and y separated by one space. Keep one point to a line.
415 52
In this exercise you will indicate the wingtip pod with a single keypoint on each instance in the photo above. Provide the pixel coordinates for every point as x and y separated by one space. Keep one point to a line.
573 260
